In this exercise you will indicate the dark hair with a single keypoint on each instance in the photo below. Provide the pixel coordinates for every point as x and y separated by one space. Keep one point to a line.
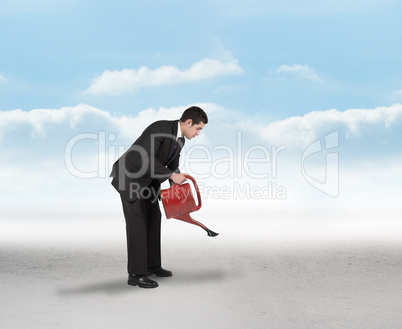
196 114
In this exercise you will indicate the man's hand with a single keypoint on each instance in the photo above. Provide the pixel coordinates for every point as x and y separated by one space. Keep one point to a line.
178 178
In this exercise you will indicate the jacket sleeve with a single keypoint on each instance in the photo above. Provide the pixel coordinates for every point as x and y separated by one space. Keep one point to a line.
155 168
174 166
149 152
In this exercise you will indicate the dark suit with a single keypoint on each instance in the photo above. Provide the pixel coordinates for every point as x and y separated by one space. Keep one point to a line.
137 176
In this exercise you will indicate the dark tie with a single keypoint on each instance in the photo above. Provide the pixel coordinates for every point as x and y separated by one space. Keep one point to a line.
179 140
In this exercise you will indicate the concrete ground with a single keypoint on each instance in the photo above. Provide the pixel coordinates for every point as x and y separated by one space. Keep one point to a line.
262 271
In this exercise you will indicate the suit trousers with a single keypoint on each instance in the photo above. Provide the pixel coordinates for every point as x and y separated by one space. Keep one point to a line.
143 229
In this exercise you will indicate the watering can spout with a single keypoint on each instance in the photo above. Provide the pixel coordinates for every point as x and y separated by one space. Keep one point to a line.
187 218
178 202
211 233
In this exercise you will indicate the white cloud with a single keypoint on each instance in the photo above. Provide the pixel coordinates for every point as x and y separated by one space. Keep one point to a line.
2 78
127 80
301 71
300 131
41 119
33 145
67 121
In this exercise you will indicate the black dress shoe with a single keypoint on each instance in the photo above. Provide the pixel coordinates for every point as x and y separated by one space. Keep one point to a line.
159 271
141 281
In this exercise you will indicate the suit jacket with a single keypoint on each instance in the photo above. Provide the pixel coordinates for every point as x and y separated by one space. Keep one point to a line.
148 162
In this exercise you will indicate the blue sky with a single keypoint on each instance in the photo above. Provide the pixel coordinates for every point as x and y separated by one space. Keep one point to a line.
280 72
347 52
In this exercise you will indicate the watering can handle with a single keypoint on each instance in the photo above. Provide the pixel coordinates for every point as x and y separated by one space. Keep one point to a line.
196 189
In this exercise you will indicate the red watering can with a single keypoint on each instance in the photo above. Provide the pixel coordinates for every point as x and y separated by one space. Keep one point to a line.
178 202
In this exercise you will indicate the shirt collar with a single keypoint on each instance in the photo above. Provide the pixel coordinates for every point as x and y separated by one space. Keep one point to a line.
178 130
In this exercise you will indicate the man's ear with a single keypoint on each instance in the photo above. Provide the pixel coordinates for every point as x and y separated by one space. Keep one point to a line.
189 122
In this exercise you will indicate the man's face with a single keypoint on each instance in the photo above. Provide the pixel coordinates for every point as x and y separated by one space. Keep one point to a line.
192 130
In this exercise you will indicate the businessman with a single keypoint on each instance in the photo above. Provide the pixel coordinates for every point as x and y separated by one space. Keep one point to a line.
137 176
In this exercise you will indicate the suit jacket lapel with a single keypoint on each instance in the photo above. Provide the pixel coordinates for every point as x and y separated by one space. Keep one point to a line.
181 144
173 142
174 136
